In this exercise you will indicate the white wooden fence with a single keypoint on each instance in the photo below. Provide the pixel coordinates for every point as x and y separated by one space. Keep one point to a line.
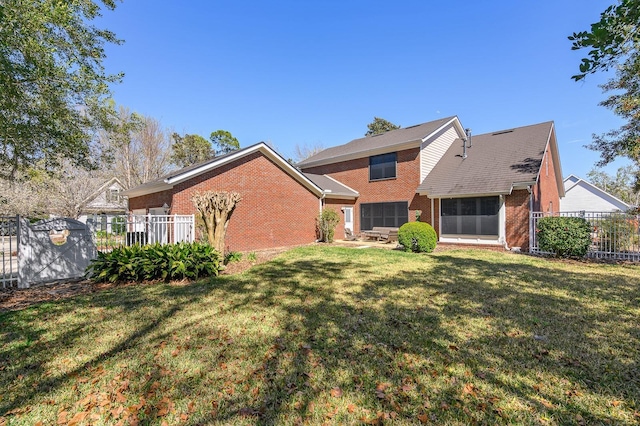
614 235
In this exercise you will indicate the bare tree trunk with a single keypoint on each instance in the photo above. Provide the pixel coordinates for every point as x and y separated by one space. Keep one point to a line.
216 208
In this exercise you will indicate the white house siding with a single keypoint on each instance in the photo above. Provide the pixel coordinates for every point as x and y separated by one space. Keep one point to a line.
432 150
582 196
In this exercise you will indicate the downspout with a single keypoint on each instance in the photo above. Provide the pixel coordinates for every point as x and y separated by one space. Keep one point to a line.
531 230
321 207
503 205
433 220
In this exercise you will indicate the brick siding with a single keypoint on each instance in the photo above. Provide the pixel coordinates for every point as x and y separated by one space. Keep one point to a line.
545 192
517 219
355 174
275 211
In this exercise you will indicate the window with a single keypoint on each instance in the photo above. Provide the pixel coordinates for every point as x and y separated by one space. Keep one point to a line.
382 166
383 214
470 216
113 195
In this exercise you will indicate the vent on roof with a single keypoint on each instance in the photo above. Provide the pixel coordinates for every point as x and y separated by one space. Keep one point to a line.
502 132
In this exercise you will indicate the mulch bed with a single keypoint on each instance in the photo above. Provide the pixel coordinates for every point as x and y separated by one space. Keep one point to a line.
13 299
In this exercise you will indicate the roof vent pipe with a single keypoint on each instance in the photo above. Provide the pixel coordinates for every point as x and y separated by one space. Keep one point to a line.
464 148
468 132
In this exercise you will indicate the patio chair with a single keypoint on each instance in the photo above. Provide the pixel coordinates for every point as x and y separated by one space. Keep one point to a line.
348 235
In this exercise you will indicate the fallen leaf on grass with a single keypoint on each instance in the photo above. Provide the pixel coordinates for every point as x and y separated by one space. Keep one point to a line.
423 418
615 403
351 408
62 417
79 417
336 392
469 389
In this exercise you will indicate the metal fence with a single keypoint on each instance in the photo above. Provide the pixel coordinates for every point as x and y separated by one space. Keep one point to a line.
9 251
614 235
126 230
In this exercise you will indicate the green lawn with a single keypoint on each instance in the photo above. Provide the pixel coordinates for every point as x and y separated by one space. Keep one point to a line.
338 336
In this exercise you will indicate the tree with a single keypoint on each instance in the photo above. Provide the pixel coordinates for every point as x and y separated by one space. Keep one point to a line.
216 208
620 186
380 125
302 152
135 148
41 192
614 42
52 81
190 149
224 142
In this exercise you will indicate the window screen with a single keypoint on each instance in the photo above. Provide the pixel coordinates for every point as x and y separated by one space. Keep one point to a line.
470 216
383 214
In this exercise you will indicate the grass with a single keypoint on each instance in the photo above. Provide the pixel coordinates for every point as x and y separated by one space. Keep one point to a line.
328 335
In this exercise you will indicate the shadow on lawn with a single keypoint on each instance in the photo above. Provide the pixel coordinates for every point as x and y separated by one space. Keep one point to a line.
376 336
389 342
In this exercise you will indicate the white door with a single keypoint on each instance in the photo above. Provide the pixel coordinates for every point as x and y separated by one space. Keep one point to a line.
348 218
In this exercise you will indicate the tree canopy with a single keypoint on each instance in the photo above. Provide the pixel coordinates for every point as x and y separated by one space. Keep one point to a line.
614 42
223 142
52 81
621 185
190 149
380 125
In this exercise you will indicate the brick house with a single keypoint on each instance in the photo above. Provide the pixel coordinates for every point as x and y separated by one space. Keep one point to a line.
474 190
279 203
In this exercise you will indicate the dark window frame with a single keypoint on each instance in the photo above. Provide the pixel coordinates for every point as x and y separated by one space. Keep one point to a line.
481 214
381 165
377 214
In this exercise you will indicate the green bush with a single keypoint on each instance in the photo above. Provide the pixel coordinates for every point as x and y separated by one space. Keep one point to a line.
617 233
326 224
419 237
156 262
564 236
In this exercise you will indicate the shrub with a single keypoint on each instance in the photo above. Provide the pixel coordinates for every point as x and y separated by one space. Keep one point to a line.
419 237
232 256
154 262
326 224
564 236
618 233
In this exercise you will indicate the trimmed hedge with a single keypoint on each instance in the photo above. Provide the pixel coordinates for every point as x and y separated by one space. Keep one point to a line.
419 237
156 262
564 236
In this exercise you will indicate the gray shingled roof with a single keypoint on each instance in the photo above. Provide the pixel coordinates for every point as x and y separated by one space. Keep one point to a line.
386 141
494 163
331 186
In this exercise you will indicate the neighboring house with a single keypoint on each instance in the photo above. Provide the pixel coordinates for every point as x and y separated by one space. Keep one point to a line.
476 190
479 194
107 201
581 195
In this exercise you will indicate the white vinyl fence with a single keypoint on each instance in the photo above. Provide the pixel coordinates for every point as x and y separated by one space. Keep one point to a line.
9 251
126 230
59 248
614 235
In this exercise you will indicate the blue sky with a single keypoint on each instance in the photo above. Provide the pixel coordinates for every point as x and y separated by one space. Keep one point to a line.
316 73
